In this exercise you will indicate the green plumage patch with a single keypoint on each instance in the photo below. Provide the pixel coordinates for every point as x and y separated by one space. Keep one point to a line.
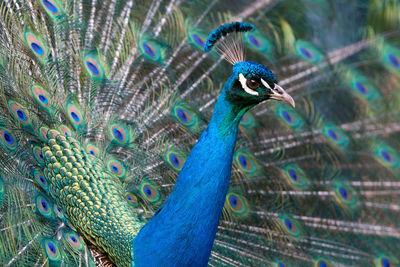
93 66
119 133
197 38
52 7
386 155
290 226
52 251
391 58
385 261
322 263
36 45
2 193
345 195
75 115
295 176
74 240
236 203
132 199
117 168
335 135
8 139
175 158
20 113
186 116
149 192
44 207
308 52
289 116
41 97
256 41
246 162
151 49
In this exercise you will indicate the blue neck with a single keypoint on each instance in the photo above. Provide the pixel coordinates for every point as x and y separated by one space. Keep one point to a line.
183 232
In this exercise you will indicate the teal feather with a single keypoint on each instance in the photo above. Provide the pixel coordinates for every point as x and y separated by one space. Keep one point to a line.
103 102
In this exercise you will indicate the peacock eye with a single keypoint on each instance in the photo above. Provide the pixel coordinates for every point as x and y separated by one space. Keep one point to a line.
253 83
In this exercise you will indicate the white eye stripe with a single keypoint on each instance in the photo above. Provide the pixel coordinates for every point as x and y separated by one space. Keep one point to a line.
265 84
243 80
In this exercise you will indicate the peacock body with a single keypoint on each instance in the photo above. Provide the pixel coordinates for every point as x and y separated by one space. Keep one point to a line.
123 142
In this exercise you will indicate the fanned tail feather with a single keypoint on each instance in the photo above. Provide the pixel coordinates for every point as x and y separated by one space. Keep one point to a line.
130 83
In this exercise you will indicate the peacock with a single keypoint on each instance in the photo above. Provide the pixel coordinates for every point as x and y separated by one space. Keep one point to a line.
194 133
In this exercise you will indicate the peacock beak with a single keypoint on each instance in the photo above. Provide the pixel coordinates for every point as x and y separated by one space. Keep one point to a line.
279 94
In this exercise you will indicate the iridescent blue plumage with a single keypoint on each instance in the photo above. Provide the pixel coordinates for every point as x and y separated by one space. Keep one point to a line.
182 232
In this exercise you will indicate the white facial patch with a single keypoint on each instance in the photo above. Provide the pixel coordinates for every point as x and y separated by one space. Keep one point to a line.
243 80
265 84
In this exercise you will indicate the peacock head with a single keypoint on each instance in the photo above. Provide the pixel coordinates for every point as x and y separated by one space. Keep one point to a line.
250 83
254 83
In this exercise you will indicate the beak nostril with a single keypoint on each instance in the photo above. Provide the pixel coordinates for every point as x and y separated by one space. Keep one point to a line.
278 89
